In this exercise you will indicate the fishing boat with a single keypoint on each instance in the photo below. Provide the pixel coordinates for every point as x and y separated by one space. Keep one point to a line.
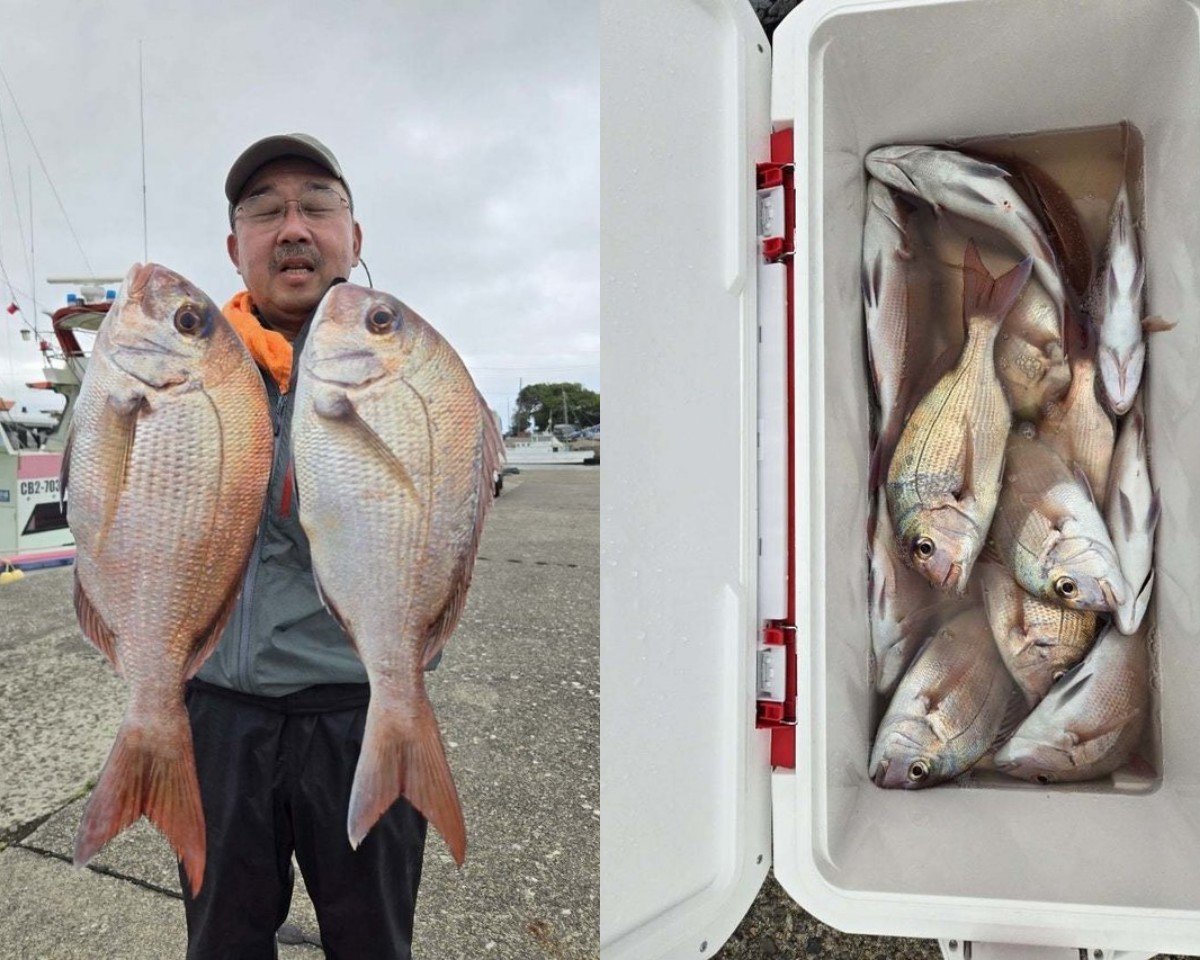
33 514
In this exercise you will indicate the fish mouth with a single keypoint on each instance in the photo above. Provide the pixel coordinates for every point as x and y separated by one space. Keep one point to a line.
879 776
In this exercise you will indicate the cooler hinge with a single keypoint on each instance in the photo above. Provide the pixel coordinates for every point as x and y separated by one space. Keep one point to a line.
776 690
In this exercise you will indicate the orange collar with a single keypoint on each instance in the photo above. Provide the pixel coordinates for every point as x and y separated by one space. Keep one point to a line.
270 349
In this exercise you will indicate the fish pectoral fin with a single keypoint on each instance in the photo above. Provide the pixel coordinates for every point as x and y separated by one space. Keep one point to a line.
490 453
342 409
95 630
1105 728
1081 478
1157 324
119 419
975 167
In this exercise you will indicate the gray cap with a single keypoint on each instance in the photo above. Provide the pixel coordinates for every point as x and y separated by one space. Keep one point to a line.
275 148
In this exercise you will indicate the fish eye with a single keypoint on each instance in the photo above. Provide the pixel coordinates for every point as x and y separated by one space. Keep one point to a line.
918 771
380 320
188 320
1066 588
924 548
1058 675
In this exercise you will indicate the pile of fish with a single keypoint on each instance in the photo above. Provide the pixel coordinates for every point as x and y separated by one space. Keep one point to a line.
168 461
1012 525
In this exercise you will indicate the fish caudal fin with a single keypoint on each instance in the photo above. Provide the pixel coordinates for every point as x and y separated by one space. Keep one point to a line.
402 755
151 770
988 297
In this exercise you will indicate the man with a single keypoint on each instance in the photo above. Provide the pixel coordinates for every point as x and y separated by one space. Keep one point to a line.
278 710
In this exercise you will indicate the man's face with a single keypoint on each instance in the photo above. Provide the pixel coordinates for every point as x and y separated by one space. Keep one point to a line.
287 266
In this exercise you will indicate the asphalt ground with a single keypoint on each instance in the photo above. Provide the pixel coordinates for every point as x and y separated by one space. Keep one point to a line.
517 696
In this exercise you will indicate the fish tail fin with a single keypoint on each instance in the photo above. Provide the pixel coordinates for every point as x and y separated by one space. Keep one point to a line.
402 755
151 770
987 297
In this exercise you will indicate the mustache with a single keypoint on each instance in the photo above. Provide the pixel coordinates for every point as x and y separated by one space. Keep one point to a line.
292 251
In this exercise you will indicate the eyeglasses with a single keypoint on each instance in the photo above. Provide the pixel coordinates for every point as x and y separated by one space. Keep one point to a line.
315 206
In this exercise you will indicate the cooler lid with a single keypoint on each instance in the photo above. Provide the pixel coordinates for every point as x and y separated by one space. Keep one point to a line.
684 775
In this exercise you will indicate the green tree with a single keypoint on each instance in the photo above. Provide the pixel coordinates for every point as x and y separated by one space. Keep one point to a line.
544 403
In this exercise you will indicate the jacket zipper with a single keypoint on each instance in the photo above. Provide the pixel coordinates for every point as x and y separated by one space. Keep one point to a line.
247 601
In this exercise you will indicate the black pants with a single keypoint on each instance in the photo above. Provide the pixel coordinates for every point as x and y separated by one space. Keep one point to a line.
275 777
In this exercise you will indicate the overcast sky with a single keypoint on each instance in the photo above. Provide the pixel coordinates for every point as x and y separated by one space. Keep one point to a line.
468 132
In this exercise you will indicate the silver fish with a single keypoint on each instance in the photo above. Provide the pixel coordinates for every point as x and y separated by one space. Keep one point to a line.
1133 509
885 279
1038 641
1116 305
1048 531
905 609
949 180
1091 721
944 478
948 709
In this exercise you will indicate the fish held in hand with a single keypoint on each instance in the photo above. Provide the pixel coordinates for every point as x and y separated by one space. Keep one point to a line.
953 181
387 417
1133 509
1038 641
168 460
947 711
944 478
1089 724
1049 532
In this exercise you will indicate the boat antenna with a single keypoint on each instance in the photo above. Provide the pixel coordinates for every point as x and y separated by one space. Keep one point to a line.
32 259
142 113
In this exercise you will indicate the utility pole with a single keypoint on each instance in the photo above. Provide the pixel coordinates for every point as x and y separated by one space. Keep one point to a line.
566 419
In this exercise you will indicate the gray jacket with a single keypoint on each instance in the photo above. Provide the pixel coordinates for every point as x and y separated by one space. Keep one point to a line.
280 638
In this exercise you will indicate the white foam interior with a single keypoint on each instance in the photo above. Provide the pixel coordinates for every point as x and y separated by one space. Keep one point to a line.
949 70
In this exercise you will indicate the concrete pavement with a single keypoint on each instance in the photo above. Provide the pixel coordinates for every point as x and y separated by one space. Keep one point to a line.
517 695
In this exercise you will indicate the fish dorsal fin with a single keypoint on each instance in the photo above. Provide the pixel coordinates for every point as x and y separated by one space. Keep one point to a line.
966 490
93 626
491 456
1015 712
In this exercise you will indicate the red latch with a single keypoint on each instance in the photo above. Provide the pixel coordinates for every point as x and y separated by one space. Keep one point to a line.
777 227
776 689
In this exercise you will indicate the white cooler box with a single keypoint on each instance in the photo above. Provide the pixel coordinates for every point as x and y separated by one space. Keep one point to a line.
693 494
